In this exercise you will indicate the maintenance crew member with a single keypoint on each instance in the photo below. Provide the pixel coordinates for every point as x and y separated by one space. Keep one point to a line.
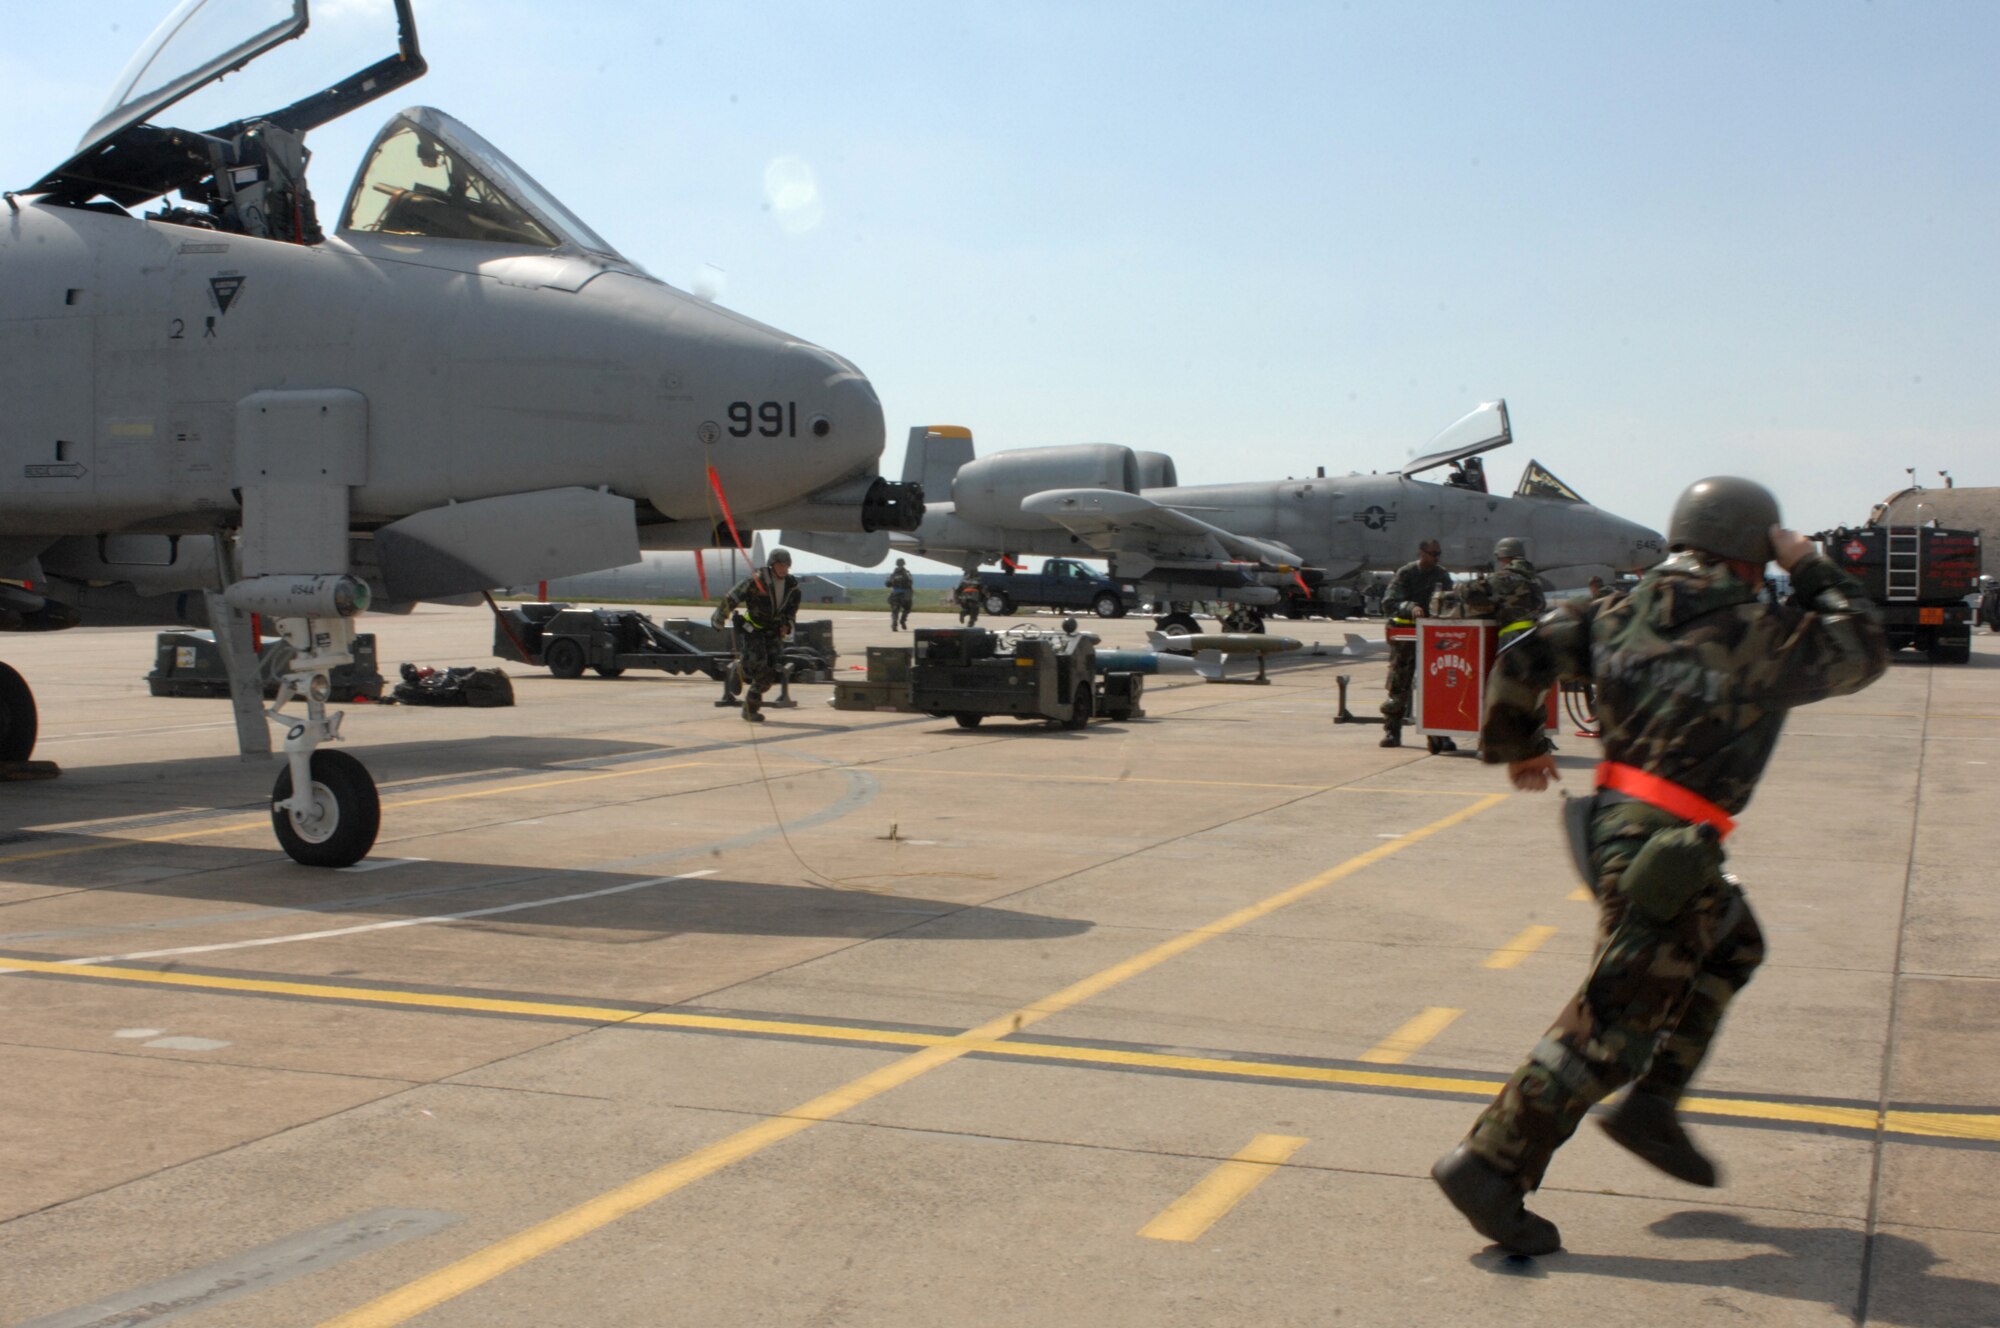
1409 591
902 587
1694 676
1510 595
967 597
1512 590
769 604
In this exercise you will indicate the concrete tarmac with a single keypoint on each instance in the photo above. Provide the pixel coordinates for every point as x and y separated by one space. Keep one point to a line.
640 1016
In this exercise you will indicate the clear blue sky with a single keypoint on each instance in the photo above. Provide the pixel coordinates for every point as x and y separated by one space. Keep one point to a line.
1680 239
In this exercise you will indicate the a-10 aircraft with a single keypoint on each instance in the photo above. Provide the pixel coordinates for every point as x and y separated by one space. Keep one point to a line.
1299 543
461 386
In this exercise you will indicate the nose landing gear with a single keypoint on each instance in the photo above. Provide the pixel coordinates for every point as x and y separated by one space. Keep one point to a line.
324 807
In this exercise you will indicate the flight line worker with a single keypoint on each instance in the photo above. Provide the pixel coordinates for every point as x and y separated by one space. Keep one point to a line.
1409 591
1694 677
967 597
901 596
1510 595
769 600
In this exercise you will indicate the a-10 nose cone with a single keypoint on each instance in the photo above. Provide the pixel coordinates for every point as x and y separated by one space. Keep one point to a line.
1643 546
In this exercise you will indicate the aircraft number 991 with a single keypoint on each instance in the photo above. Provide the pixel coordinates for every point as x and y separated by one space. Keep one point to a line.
771 419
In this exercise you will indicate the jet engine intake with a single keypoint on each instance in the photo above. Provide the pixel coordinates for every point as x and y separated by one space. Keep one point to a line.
989 490
857 507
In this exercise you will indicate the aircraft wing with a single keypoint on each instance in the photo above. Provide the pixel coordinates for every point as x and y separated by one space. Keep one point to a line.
1143 535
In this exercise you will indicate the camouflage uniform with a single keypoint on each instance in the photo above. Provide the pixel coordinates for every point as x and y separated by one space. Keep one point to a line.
770 606
901 597
1694 677
1511 597
967 597
1413 584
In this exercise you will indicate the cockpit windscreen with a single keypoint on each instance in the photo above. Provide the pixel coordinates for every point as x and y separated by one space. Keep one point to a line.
414 185
429 175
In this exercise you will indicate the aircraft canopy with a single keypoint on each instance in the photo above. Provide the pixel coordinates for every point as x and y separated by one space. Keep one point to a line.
201 40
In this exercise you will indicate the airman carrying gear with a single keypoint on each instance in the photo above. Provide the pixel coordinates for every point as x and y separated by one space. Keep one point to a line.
769 604
1409 592
1725 516
967 596
901 596
1693 676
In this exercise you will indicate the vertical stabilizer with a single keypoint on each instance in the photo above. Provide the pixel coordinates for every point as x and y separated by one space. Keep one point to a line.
933 457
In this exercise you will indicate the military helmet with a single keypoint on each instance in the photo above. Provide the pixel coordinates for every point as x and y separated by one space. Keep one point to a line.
781 556
899 562
1727 516
1509 547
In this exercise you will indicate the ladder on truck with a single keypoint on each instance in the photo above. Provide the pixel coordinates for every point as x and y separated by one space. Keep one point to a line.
1905 568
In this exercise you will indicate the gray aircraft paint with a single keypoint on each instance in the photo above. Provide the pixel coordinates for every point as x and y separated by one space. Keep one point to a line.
1178 540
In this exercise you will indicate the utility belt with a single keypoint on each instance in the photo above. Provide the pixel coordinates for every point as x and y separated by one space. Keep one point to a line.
744 622
1673 864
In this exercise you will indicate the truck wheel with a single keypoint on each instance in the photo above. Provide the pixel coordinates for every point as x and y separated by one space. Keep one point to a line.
967 721
610 670
998 603
18 723
1079 707
1107 605
349 813
1179 624
565 658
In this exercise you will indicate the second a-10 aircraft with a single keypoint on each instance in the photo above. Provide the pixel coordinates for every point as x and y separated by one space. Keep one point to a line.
217 405
1295 543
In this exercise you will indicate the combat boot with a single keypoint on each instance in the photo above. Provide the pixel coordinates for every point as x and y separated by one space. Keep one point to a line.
1491 1201
752 713
1646 1126
1391 737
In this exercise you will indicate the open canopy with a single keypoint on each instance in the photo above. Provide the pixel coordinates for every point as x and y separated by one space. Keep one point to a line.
129 159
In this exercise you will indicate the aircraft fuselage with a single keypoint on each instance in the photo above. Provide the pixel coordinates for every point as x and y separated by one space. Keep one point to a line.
126 346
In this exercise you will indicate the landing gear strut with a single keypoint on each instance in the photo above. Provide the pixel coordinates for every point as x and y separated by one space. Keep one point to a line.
324 806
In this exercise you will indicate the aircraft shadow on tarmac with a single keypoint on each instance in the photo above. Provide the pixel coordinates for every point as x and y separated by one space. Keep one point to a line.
624 907
1802 1263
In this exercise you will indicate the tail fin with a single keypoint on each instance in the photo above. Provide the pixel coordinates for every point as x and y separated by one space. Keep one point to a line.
933 457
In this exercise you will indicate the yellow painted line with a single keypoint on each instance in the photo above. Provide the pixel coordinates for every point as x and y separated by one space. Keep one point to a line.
1412 1037
1187 1217
473 1004
1514 951
228 827
483 1266
1978 1126
1580 895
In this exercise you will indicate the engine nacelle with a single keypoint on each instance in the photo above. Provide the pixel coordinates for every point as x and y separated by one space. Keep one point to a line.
1156 470
990 490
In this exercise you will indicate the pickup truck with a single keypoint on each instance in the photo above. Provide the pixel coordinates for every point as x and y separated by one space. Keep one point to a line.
1063 583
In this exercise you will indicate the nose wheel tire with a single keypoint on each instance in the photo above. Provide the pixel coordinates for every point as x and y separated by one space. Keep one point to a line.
18 724
346 813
